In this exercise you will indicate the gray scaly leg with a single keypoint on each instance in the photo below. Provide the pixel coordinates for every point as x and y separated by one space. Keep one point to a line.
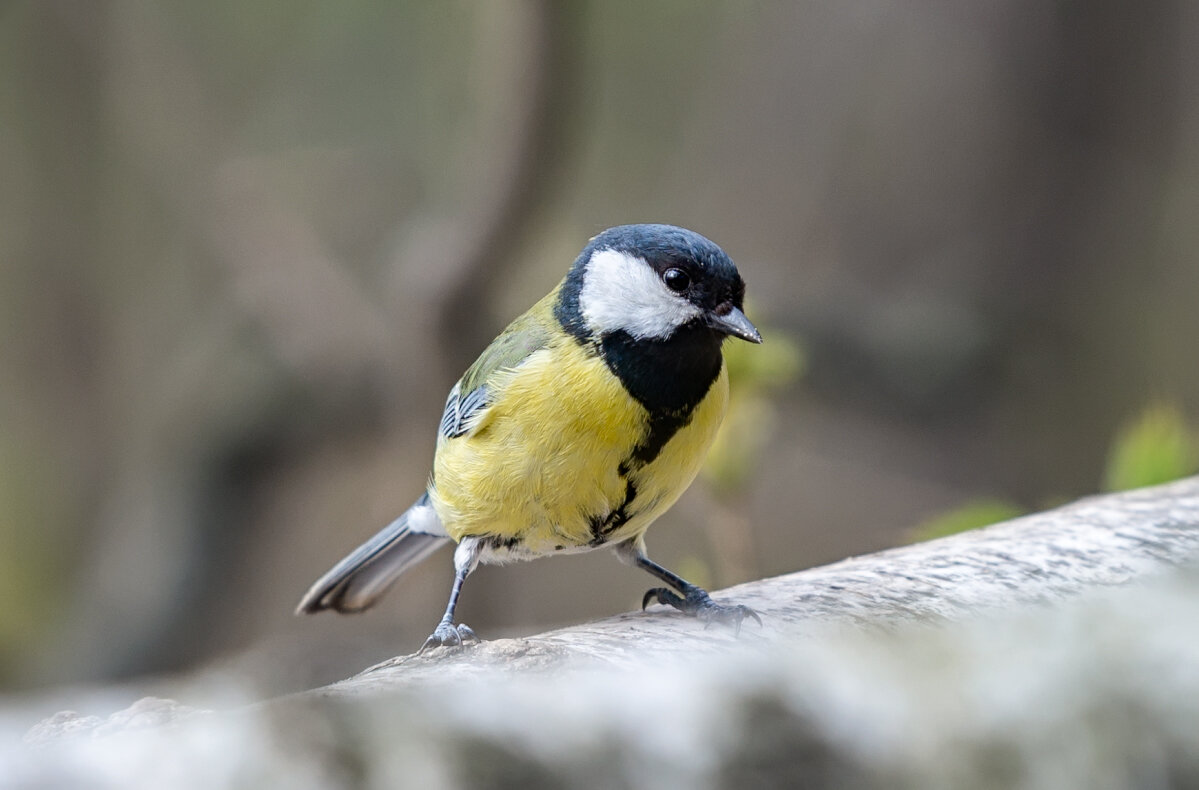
690 599
466 558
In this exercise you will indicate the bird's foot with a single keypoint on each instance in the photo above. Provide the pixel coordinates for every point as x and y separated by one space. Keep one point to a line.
449 635
697 603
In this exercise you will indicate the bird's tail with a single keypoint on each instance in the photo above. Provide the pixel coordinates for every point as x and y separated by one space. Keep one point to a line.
359 580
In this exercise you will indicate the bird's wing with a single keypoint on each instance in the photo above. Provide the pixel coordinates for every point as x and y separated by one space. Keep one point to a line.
472 394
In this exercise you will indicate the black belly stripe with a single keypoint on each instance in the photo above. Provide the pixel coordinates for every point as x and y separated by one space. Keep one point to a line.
497 543
603 526
669 377
662 428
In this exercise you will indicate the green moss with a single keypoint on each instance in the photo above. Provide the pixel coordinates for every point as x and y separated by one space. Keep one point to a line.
1156 447
756 374
28 563
972 515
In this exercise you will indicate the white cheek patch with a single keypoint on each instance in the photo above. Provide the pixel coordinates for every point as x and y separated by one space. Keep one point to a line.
624 292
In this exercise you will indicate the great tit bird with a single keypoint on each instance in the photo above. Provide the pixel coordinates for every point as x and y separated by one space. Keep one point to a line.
579 425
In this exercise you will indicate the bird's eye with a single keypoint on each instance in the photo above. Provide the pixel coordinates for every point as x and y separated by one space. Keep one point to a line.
676 280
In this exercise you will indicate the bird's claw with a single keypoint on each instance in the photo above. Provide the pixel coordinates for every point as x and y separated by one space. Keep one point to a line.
449 635
696 602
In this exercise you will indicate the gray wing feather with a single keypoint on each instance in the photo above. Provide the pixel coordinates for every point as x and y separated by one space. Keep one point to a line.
459 414
357 581
472 394
449 417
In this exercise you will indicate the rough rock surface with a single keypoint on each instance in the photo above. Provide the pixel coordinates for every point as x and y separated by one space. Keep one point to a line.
1056 650
1100 541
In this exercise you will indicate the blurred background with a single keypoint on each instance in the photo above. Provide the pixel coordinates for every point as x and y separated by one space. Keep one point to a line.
247 247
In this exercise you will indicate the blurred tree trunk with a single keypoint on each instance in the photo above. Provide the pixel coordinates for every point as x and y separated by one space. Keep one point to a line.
54 339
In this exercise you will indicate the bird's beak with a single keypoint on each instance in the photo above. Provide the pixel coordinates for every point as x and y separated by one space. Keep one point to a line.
736 324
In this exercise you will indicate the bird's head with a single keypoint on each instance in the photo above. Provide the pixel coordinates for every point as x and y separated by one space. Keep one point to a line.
650 282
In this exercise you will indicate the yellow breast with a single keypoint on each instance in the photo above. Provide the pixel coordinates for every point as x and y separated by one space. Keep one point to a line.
544 462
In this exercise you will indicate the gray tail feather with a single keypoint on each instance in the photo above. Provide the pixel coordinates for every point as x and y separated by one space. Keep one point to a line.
359 580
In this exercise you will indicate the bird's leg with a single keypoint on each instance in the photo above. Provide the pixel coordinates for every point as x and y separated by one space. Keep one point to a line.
466 558
689 599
